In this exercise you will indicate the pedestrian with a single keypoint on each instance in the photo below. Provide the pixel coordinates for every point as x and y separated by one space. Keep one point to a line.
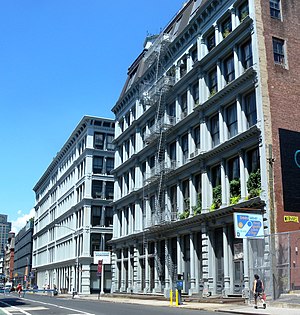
258 291
19 289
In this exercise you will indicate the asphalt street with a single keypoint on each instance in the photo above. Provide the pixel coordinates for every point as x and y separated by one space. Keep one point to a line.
45 305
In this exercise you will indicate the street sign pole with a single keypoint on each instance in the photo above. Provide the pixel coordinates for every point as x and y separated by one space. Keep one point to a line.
99 274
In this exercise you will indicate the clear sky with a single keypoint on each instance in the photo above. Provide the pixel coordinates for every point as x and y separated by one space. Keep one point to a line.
61 60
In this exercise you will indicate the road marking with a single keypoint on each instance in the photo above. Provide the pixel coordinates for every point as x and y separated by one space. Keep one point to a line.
62 307
15 309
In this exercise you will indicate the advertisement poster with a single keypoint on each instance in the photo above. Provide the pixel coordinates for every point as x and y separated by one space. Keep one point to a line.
248 225
290 167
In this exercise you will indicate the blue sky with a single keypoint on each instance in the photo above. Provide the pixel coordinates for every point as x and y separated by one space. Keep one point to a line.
61 60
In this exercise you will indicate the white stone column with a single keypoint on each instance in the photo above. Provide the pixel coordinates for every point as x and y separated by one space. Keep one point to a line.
243 182
167 266
217 34
237 64
147 269
220 78
205 258
246 292
157 268
212 283
226 290
137 283
179 255
223 133
129 287
233 18
123 280
192 265
224 190
201 47
206 194
239 114
193 195
179 198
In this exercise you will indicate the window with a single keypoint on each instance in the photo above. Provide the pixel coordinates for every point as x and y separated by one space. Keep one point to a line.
185 148
278 51
243 11
194 55
226 27
109 190
233 168
182 67
253 160
231 116
210 41
247 59
212 82
152 162
183 104
99 140
186 194
98 165
109 145
109 165
173 198
229 69
97 188
196 137
275 9
214 127
108 216
172 151
171 109
195 93
215 176
96 216
250 109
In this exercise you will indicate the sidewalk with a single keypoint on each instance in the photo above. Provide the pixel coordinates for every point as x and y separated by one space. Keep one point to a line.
273 308
288 303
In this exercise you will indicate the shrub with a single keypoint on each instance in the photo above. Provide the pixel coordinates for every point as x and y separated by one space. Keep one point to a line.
217 197
254 184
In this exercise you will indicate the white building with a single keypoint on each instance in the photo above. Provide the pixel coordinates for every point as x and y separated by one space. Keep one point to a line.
73 216
191 149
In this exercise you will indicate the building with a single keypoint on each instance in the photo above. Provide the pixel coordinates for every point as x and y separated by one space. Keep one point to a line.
207 126
9 258
23 256
5 228
73 216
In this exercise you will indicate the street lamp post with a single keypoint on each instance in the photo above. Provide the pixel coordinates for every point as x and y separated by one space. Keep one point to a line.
77 255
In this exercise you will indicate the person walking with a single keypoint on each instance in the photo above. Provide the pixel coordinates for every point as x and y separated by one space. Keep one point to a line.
258 291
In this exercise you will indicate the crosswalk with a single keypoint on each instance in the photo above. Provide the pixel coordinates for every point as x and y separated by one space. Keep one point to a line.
8 309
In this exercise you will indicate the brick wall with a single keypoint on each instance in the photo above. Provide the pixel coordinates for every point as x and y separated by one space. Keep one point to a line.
283 89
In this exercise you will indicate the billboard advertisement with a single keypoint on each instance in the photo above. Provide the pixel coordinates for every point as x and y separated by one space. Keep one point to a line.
290 168
247 225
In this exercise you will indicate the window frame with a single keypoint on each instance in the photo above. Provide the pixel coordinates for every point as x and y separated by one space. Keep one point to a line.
232 124
275 9
215 130
279 53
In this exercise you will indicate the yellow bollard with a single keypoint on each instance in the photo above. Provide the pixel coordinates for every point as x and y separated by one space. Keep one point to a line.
177 302
171 298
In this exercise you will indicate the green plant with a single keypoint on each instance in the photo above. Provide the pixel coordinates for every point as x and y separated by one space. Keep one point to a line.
198 208
244 14
235 191
212 93
254 184
217 197
184 215
226 33
234 200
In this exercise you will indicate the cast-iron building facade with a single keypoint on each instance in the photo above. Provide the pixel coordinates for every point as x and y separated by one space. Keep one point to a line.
194 144
73 217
